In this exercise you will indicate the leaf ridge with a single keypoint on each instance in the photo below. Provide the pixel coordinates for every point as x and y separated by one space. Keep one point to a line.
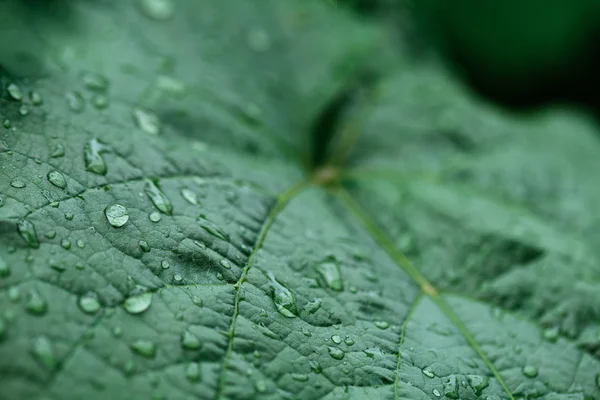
427 288
282 200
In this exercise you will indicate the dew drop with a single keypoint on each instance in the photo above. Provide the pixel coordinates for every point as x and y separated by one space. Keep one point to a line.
14 294
138 301
284 299
330 273
6 123
27 232
189 196
551 334
382 324
478 383
94 81
15 91
165 264
145 348
529 371
192 372
43 352
57 179
99 101
212 229
80 243
144 246
225 263
177 278
75 101
36 98
92 157
428 373
158 10
159 199
116 215
57 151
147 121
436 393
336 353
23 110
66 244
190 341
306 332
349 341
300 377
89 303
17 183
36 305
69 216
57 266
154 216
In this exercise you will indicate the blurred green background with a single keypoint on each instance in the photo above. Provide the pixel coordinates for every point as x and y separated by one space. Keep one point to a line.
520 53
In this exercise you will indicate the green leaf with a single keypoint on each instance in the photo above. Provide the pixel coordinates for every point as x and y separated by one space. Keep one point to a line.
161 236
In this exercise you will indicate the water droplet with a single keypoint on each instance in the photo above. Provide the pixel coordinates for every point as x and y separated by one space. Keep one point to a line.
14 294
450 388
89 303
147 121
382 324
145 348
57 179
66 244
80 243
36 98
259 40
192 372
349 341
36 305
336 339
95 82
159 10
219 276
212 229
306 332
139 300
190 341
336 353
23 110
159 199
189 196
99 101
436 393
92 154
75 101
27 232
313 306
17 183
154 216
478 383
15 91
57 266
330 273
4 268
6 123
551 334
144 246
260 386
69 216
165 264
225 263
428 373
79 265
129 368
43 352
177 278
116 215
284 299
529 371
57 151
300 377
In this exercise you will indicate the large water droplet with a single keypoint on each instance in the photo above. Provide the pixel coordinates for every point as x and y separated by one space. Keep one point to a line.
27 232
529 371
17 183
57 179
189 196
36 305
158 198
337 339
336 353
192 372
89 303
15 91
147 121
157 9
43 352
284 299
478 383
92 156
330 273
145 348
117 215
139 300
382 324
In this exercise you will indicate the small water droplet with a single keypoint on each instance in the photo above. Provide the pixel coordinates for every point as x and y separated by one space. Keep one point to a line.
165 264
551 334
330 273
6 123
43 352
478 383
436 393
300 377
147 121
36 98
145 348
428 373
159 199
89 303
17 183
219 276
23 110
117 215
190 341
57 151
306 332
189 196
27 232
94 81
15 91
144 246
79 265
57 179
382 324
99 101
57 266
336 353
75 101
69 216
158 10
192 372
80 243
336 339
139 300
154 216
284 299
66 244
225 263
529 371
212 229
36 305
349 341
260 386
